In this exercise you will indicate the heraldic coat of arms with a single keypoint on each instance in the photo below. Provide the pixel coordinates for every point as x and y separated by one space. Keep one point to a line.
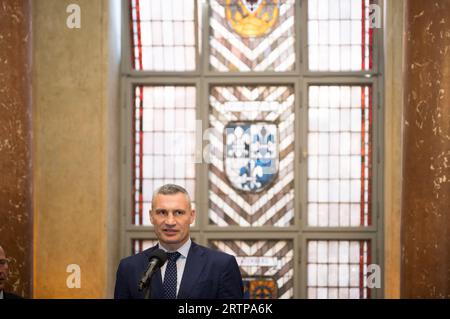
252 18
251 156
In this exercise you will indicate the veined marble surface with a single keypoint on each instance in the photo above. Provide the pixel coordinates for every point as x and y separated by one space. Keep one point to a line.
15 142
426 184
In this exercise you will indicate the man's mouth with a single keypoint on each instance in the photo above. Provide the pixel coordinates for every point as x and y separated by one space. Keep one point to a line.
170 231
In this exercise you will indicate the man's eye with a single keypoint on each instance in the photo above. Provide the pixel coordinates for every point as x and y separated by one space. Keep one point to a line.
178 213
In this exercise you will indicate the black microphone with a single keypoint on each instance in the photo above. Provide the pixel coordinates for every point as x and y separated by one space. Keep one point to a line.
157 258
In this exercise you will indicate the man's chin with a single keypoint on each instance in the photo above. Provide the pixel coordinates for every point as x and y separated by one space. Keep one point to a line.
173 242
171 237
170 241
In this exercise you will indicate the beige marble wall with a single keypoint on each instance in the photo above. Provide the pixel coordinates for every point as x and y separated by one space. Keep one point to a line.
393 119
75 85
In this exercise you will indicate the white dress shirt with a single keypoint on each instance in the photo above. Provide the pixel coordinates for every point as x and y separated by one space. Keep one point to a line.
181 261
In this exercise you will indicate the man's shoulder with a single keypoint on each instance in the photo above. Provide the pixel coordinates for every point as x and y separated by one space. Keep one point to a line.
7 295
137 258
214 254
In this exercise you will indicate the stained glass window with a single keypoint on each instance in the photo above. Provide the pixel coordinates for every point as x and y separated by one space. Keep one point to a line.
164 136
249 188
339 35
266 266
250 174
337 269
163 35
252 35
339 156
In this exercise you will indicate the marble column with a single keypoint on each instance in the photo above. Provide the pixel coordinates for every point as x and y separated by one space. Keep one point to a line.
15 142
426 153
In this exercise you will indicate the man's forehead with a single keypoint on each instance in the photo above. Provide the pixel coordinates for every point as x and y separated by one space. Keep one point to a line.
178 200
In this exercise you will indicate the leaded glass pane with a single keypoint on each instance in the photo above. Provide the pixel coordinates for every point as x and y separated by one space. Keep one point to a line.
267 266
164 136
338 269
252 35
339 156
340 37
163 35
251 170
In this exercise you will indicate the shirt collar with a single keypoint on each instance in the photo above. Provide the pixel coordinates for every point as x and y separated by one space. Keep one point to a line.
183 250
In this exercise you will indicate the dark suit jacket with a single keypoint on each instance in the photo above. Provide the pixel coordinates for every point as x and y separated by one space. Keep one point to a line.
10 296
208 274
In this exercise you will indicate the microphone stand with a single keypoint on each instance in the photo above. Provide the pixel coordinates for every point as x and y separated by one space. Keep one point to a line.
156 260
148 290
147 287
145 284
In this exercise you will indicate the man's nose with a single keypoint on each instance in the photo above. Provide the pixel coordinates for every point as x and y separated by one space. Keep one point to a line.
170 220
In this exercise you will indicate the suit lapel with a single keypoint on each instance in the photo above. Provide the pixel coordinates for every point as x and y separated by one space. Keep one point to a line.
192 270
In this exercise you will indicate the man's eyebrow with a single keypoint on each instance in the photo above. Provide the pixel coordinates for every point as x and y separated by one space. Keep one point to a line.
165 210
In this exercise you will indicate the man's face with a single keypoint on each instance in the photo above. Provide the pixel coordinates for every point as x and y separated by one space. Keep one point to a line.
3 269
171 217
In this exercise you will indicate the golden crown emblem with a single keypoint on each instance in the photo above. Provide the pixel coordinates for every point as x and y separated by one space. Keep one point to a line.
252 18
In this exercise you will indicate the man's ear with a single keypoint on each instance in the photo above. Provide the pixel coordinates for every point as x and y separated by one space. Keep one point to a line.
193 214
151 216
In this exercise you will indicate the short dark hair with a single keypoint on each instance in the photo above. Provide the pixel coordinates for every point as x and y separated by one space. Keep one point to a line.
171 189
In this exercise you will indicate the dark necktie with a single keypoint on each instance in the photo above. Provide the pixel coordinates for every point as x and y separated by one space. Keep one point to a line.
170 276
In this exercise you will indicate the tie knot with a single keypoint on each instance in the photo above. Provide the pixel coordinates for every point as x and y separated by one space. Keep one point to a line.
173 256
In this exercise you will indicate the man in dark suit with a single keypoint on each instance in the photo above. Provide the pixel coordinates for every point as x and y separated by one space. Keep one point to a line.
191 271
4 272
